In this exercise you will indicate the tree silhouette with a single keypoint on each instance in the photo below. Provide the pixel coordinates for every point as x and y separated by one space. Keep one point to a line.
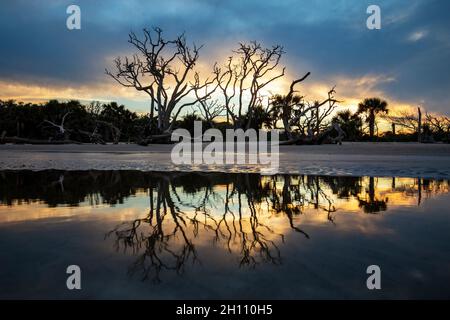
350 123
249 70
372 107
369 203
298 115
165 70
154 237
64 122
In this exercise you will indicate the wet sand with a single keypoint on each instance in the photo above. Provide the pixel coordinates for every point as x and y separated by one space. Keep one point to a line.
357 159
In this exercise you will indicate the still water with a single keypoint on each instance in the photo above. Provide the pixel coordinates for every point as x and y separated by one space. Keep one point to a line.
164 235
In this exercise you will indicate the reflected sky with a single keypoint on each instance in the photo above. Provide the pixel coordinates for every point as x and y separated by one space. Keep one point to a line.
160 235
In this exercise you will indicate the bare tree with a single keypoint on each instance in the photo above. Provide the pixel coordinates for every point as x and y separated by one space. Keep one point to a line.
165 70
404 119
244 76
211 109
299 115
61 130
314 120
438 124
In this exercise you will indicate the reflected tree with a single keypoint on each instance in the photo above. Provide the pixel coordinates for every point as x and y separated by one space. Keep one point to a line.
153 244
370 203
235 216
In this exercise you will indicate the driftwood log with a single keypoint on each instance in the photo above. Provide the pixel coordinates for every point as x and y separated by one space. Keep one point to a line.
323 138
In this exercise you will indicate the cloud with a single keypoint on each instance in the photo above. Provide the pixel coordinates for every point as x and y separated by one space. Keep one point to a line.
417 35
328 38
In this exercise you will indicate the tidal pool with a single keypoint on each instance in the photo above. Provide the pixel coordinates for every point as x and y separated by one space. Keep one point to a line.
175 235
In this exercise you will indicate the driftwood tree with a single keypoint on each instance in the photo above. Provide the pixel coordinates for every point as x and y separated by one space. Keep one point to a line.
211 109
165 70
298 115
314 121
242 78
440 125
404 119
413 123
62 131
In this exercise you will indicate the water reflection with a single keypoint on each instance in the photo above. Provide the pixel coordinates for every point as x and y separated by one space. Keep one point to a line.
286 193
247 215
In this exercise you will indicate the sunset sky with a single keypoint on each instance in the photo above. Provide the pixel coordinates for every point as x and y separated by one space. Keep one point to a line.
406 62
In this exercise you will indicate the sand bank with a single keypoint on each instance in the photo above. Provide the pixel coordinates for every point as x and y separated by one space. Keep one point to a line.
369 159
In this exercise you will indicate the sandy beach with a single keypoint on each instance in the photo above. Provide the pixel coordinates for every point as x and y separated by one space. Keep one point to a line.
351 158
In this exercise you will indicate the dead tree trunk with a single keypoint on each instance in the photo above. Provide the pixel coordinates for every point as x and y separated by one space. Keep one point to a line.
62 131
317 122
419 127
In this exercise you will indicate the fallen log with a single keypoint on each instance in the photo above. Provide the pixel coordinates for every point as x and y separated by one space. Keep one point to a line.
159 138
323 138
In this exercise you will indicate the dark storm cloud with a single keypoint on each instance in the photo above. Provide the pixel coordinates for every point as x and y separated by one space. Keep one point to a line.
326 37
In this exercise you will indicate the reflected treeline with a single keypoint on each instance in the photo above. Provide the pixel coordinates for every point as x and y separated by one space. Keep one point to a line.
285 192
55 187
245 214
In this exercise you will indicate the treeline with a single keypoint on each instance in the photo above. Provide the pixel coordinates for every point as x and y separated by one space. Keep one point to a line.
70 121
234 89
73 122
231 95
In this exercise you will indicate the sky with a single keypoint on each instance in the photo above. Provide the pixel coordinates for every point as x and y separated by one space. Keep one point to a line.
406 62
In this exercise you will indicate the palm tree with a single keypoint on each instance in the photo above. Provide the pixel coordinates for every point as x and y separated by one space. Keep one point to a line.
350 123
371 107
